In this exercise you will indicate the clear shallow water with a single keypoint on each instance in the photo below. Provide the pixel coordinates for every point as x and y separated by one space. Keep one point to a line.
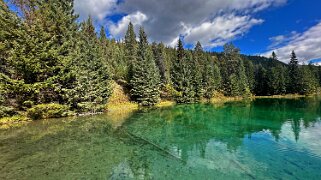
265 139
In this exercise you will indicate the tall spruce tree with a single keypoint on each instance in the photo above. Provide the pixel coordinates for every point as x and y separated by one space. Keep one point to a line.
160 57
44 51
130 49
261 83
104 45
308 82
235 81
189 89
11 33
250 74
182 76
177 74
211 78
145 81
198 71
294 74
92 88
276 78
119 64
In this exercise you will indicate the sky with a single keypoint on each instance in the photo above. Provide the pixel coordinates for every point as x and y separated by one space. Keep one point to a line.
257 27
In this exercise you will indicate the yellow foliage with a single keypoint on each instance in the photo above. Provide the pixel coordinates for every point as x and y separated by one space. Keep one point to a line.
165 104
219 97
8 122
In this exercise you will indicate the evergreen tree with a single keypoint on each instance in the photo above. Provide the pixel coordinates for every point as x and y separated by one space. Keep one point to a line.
130 49
276 77
104 45
242 79
211 79
198 71
92 87
10 34
41 56
119 64
277 80
160 56
294 74
274 57
145 81
261 84
308 82
250 74
189 89
181 76
235 82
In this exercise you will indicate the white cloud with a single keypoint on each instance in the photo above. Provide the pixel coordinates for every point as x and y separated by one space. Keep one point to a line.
98 9
306 45
221 30
281 40
168 19
118 30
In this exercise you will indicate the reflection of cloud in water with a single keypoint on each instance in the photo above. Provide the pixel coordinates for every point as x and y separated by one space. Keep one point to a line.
217 157
309 139
122 171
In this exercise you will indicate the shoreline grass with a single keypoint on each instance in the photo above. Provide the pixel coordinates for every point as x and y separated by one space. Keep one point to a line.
121 107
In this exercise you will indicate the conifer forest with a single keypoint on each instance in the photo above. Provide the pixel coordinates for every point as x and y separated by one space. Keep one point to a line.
50 61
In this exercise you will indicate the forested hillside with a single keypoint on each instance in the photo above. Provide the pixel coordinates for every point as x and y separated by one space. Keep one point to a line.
49 62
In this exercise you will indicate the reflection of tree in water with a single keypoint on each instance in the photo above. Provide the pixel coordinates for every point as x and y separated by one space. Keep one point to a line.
296 128
192 127
88 147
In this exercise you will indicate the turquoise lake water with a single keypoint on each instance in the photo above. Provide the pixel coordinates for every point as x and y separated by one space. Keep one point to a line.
263 139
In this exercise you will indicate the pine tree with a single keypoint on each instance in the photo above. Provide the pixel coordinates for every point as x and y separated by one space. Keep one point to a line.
261 84
130 49
274 57
276 77
308 82
145 81
198 71
250 74
211 78
160 56
10 34
177 75
235 82
119 64
188 93
41 56
277 80
242 79
104 43
92 88
294 74
182 76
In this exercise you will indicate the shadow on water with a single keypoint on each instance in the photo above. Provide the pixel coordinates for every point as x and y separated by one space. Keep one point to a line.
270 138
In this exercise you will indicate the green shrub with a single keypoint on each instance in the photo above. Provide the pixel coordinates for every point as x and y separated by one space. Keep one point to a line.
90 107
43 111
13 119
7 111
28 104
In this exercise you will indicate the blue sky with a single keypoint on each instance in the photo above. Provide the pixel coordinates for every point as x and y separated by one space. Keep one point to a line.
257 27
296 15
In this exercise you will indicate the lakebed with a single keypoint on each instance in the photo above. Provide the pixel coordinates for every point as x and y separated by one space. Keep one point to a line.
261 139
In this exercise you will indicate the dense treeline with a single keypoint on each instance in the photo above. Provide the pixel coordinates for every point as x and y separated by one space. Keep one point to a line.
50 62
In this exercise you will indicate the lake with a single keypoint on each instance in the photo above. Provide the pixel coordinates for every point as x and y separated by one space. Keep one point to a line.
263 139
